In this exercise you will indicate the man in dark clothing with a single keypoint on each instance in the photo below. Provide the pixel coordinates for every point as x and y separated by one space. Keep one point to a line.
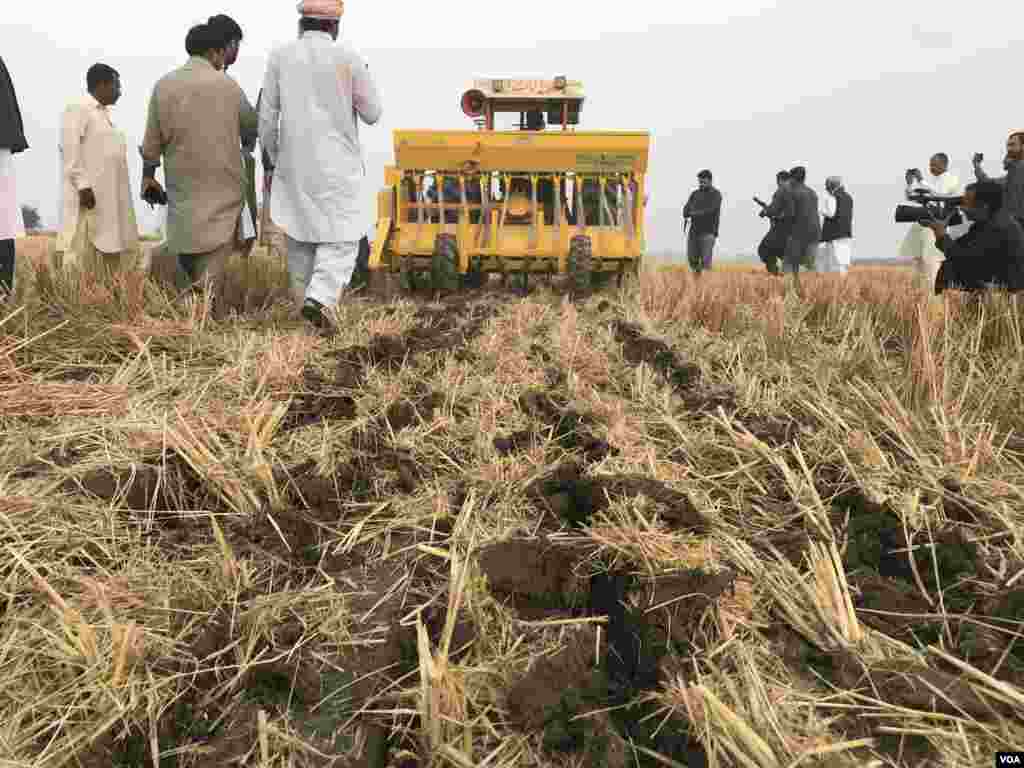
1013 181
991 253
803 239
836 251
780 212
703 210
12 141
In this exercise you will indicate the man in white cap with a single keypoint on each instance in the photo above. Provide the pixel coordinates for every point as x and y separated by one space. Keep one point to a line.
835 251
314 94
918 245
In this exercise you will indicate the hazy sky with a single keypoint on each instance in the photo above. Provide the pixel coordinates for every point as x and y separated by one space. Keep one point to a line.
863 90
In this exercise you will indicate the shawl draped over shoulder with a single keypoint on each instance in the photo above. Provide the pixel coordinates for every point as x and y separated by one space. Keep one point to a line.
12 129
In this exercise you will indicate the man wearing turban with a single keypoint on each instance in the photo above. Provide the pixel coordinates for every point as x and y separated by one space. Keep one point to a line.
314 94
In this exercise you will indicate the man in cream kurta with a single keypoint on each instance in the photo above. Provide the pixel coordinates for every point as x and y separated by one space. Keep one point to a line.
98 228
919 243
197 119
314 93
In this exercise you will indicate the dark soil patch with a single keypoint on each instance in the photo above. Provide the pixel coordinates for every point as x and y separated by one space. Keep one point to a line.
556 690
517 442
415 408
139 488
638 348
636 645
958 506
908 685
59 456
570 495
676 603
413 411
571 430
382 351
771 430
536 576
709 400
877 593
876 538
315 404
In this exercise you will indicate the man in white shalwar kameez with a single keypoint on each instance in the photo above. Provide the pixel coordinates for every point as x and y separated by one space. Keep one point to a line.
12 142
98 228
314 93
918 245
835 252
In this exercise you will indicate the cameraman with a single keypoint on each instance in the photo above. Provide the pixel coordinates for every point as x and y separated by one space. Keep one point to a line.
992 251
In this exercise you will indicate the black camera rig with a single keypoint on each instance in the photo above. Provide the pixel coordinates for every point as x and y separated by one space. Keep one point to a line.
927 207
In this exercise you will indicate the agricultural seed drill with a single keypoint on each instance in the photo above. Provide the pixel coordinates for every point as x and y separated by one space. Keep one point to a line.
542 198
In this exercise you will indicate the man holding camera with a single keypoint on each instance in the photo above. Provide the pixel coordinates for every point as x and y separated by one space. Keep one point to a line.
991 254
918 245
1013 181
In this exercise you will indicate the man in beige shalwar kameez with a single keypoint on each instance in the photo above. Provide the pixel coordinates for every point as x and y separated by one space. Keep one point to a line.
198 117
98 229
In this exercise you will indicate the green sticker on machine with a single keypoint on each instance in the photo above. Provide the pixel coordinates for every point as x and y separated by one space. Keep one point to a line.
603 161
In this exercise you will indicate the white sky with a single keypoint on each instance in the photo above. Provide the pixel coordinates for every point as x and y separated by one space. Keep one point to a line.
861 89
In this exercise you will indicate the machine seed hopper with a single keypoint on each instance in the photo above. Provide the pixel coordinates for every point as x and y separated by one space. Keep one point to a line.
539 197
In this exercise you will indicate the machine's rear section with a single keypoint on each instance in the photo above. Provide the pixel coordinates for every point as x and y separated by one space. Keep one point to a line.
461 204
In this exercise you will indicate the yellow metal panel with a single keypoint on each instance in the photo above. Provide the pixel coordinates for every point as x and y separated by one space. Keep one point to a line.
590 152
381 240
392 175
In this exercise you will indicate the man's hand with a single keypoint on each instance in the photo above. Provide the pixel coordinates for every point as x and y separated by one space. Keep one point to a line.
86 199
936 226
977 159
151 190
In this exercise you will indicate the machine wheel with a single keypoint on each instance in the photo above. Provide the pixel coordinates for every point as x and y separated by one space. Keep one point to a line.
579 265
602 279
475 277
444 264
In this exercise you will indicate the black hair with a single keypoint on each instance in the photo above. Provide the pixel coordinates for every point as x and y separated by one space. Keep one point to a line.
782 176
798 174
988 192
226 27
202 39
307 24
705 174
99 74
942 156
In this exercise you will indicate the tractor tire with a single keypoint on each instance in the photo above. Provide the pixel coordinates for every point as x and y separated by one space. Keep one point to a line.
579 265
475 277
444 264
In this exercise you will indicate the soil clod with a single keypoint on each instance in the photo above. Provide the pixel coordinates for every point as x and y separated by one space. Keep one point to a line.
637 348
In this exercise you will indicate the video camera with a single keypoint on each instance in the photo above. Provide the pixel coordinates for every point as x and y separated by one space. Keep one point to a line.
927 207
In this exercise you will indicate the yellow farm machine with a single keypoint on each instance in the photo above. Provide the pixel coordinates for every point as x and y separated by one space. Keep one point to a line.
538 198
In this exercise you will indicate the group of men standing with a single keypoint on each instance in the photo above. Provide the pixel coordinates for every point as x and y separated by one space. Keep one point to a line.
981 245
202 129
804 233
